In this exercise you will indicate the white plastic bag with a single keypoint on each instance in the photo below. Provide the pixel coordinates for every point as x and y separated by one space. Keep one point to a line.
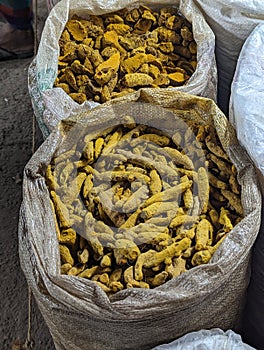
232 21
52 104
247 97
213 339
246 114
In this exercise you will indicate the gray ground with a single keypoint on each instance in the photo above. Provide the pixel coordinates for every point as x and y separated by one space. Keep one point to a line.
15 151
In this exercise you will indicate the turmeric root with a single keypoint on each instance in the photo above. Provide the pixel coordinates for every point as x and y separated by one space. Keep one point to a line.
123 201
203 189
159 279
125 250
225 220
234 201
68 236
203 235
66 255
153 258
130 281
137 79
203 256
177 267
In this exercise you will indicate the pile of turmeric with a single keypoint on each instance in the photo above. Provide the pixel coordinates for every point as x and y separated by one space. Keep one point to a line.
108 56
135 207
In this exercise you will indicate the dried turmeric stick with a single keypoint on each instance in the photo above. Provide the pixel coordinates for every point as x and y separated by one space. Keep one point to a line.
123 176
95 244
153 258
225 220
130 280
155 185
104 278
66 172
235 187
188 198
113 141
214 216
68 236
50 179
137 79
159 279
203 234
88 152
215 149
234 201
134 133
177 267
88 273
76 270
103 286
189 233
65 255
157 209
131 220
170 194
65 268
155 237
116 286
61 211
182 219
221 164
83 256
106 261
116 275
160 140
179 158
125 250
203 189
214 181
74 187
87 186
98 146
136 199
203 256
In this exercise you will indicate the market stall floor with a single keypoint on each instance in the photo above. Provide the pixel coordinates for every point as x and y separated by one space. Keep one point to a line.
15 150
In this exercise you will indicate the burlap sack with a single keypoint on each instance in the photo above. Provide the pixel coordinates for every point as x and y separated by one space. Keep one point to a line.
231 22
78 313
52 104
246 114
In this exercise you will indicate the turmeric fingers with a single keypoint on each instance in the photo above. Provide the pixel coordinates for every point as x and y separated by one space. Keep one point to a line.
132 209
121 52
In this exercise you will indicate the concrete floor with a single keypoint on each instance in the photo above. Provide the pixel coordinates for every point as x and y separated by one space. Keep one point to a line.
15 150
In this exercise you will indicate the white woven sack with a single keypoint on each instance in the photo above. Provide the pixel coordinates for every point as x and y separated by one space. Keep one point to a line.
78 313
231 21
52 104
247 97
246 114
212 339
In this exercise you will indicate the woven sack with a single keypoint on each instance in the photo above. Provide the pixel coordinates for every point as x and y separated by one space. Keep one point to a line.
77 311
52 104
